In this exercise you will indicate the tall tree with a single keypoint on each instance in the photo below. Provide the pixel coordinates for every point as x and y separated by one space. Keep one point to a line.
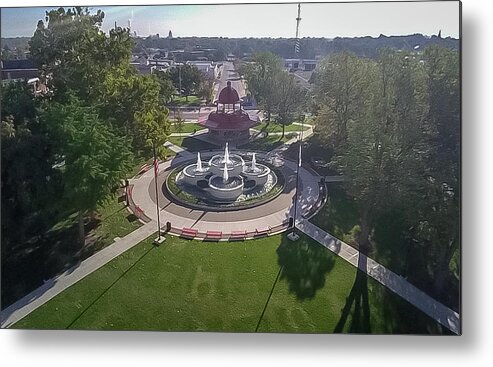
340 85
187 77
260 75
94 158
28 180
166 86
290 99
206 88
125 95
439 214
74 54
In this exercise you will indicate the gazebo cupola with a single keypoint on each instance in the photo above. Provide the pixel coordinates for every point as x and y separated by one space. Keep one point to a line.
228 100
229 122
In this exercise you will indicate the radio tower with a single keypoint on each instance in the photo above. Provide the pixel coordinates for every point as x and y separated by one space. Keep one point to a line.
298 20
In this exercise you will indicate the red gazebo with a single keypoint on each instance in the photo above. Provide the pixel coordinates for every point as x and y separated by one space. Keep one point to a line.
229 122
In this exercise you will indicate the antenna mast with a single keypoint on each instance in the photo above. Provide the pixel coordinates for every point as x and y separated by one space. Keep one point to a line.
298 20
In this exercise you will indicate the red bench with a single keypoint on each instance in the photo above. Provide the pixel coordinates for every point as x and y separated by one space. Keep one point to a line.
238 235
189 233
213 235
262 231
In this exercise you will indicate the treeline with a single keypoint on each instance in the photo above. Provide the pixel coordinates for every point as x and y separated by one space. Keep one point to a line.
310 46
64 151
391 126
283 47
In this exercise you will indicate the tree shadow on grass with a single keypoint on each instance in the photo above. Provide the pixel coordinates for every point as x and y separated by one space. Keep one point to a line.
46 256
304 265
340 213
358 297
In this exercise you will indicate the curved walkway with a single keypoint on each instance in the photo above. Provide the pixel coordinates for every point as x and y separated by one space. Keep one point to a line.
271 214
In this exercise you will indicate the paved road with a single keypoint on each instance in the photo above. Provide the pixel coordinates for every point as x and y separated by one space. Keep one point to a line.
229 74
397 284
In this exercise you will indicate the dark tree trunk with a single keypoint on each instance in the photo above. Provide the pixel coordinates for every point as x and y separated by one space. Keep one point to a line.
364 236
82 235
283 131
442 273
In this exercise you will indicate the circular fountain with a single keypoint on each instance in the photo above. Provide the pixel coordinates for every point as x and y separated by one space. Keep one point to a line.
224 181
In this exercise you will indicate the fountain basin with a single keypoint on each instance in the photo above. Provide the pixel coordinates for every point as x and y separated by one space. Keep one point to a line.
234 165
259 175
226 191
191 174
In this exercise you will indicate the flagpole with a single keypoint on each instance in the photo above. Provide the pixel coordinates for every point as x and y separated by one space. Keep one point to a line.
300 140
156 166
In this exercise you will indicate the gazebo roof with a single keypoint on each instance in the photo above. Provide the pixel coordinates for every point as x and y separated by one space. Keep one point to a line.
229 121
228 95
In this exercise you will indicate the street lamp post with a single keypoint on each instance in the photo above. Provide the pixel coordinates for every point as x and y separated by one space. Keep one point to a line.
159 239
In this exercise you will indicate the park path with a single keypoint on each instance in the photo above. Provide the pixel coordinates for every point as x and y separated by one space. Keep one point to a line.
397 284
58 284
177 149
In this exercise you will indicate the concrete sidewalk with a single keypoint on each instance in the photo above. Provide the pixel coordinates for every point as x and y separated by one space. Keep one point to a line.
177 149
397 284
55 286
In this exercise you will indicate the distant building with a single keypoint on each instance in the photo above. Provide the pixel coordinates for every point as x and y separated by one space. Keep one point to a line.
208 68
19 70
22 70
300 64
143 69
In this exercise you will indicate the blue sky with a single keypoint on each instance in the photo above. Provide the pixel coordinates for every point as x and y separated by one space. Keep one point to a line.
264 20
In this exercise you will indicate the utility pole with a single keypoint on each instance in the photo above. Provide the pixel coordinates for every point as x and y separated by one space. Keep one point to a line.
179 76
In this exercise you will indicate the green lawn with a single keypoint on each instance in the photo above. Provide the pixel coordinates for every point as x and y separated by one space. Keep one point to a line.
269 284
182 101
273 127
186 128
265 144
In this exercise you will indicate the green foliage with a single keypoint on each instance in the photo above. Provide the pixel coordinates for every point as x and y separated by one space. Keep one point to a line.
126 98
393 125
95 159
28 179
206 89
74 54
153 126
340 84
260 75
187 77
290 99
166 87
274 89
